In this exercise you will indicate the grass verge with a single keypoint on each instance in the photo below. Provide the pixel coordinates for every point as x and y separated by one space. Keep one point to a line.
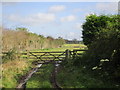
12 71
41 79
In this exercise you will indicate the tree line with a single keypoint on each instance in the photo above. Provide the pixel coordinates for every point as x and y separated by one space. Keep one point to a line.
21 39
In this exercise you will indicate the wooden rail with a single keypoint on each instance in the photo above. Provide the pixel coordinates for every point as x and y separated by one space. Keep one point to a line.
54 55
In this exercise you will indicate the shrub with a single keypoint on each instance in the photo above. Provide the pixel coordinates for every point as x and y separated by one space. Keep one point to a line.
10 55
102 36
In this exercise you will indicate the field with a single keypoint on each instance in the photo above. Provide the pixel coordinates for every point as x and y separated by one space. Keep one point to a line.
14 69
64 47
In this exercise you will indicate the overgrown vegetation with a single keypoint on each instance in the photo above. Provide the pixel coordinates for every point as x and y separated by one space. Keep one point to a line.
12 71
102 36
10 55
16 41
21 39
99 67
13 67
73 76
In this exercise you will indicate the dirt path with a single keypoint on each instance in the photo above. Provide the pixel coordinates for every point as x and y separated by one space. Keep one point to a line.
53 79
25 78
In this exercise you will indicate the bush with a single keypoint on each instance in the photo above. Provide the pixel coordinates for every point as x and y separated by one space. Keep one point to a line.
103 43
10 55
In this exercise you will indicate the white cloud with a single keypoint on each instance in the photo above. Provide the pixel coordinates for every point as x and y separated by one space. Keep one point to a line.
71 35
57 8
44 17
68 18
107 7
78 26
35 19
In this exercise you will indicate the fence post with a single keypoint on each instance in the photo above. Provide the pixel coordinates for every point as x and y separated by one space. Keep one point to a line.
74 53
67 54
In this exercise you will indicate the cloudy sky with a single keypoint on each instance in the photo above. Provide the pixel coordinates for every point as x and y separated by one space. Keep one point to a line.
54 19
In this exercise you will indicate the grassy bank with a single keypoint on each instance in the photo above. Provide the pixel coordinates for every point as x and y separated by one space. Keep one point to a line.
71 76
12 71
41 79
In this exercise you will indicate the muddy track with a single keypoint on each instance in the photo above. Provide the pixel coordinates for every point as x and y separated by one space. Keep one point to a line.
27 76
53 79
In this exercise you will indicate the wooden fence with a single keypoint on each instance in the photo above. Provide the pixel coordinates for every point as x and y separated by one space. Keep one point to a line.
54 55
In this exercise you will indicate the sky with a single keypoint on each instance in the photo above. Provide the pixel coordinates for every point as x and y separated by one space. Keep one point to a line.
56 19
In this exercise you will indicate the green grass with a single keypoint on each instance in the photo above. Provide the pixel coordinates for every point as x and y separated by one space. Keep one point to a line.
41 79
71 76
12 71
63 48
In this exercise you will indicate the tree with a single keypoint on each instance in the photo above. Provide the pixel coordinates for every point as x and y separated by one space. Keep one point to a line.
21 29
103 42
74 41
92 27
50 38
41 41
60 37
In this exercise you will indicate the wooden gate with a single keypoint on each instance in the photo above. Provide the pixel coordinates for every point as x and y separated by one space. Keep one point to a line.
55 55
47 56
